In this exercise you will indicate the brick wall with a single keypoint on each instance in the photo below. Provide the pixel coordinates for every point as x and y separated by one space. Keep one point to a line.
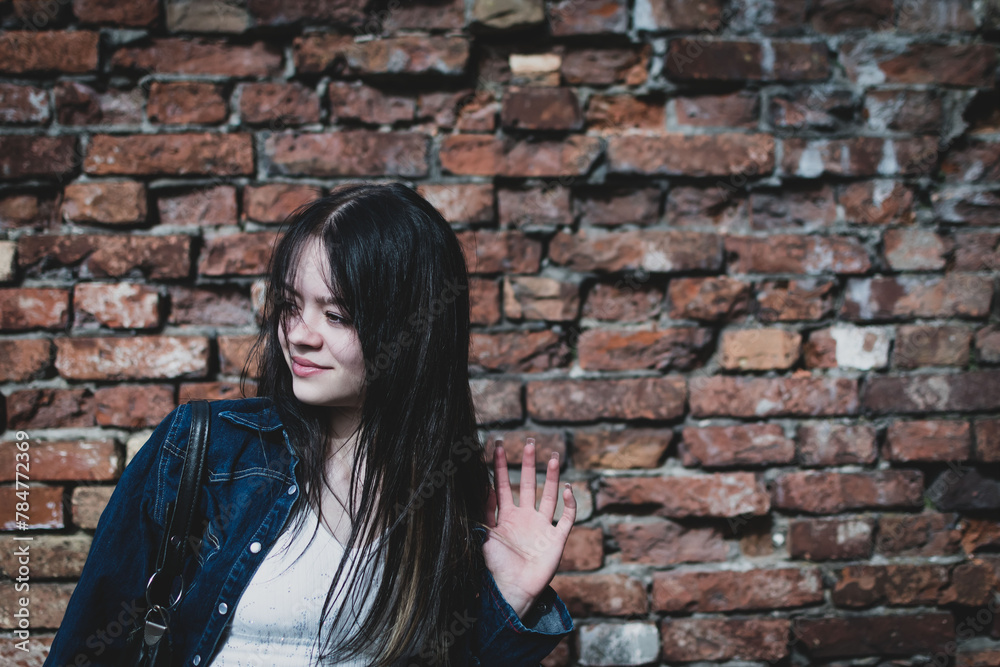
736 259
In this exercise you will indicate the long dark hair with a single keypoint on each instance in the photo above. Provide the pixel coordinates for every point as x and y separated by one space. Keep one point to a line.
419 472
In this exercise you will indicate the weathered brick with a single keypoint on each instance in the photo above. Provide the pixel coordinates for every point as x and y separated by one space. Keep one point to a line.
623 302
504 251
961 207
208 207
860 156
724 446
601 594
834 492
973 658
461 203
923 345
632 643
739 109
368 104
620 449
51 556
936 16
218 307
80 104
953 295
584 550
816 108
988 440
24 156
49 408
694 639
234 354
347 153
610 114
767 397
653 250
178 55
497 400
869 62
692 155
974 162
517 351
105 202
759 349
541 108
664 542
24 51
834 16
662 349
828 443
183 154
831 539
709 299
586 400
810 255
805 209
539 298
618 206
45 512
848 346
239 254
264 13
484 155
875 635
133 406
24 308
928 441
23 104
484 301
972 583
22 360
869 585
183 102
28 211
712 208
915 250
66 460
536 209
724 590
215 391
406 54
678 15
605 67
116 305
279 104
87 503
965 490
132 358
987 344
720 60
906 110
110 256
717 495
134 14
933 393
273 202
878 202
977 251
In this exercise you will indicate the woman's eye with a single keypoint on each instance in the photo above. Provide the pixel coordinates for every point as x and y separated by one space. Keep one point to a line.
335 318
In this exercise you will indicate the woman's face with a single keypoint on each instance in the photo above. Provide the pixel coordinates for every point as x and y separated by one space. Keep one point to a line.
320 345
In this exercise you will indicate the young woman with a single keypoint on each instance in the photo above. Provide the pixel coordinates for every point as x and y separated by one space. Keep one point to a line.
349 513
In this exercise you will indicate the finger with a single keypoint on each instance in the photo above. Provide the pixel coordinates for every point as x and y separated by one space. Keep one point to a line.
491 508
504 496
528 474
569 512
550 492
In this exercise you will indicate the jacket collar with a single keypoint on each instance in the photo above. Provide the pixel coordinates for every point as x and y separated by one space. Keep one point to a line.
258 414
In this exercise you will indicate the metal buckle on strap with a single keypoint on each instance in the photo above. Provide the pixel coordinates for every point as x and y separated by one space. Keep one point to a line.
155 628
154 582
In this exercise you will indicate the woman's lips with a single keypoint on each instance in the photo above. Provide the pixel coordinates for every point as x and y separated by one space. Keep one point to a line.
304 368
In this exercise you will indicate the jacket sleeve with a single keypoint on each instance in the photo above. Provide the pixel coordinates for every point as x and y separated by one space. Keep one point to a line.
109 598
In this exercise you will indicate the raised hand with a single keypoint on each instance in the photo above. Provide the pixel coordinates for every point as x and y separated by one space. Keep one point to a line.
523 548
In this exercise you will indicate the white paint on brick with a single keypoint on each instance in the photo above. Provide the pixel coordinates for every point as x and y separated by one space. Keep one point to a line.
811 161
860 292
862 348
608 644
642 16
888 166
7 249
852 530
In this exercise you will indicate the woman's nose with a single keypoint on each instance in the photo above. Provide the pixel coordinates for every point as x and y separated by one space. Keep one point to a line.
301 334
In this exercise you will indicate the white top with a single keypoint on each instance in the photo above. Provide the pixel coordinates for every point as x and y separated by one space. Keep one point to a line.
276 618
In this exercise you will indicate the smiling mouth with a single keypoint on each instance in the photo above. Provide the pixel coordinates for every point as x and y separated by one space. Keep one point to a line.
304 367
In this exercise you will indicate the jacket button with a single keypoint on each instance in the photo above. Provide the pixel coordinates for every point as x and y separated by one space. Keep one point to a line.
255 547
223 608
291 490
196 660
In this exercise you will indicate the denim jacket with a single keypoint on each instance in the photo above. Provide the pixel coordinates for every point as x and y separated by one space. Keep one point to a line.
249 495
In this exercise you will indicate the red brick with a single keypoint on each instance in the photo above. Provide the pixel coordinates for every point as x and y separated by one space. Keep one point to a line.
517 351
979 534
928 441
605 67
80 104
709 299
484 301
975 162
919 111
49 408
22 360
973 658
65 460
680 15
500 252
23 104
869 585
368 104
132 358
116 305
203 57
724 154
834 16
209 207
29 211
347 153
988 344
623 302
183 102
620 449
859 156
234 353
767 397
140 13
805 209
45 512
27 308
988 440
759 349
110 256
834 492
184 154
265 13
814 108
972 583
585 400
653 250
617 113
497 400
541 108
461 203
966 208
692 639
831 539
405 54
712 208
24 156
724 446
280 104
718 495
665 542
535 209
569 17
740 109
720 60
915 250
662 349
214 391
829 444
923 345
57 556
24 51
723 590
105 202
875 635
241 254
797 254
933 393
936 16
953 295
87 504
225 306
799 61
484 155
920 63
877 203
584 550
273 202
601 594
538 298
977 251
133 406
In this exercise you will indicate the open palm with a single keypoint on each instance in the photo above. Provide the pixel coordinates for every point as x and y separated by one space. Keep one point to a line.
523 548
